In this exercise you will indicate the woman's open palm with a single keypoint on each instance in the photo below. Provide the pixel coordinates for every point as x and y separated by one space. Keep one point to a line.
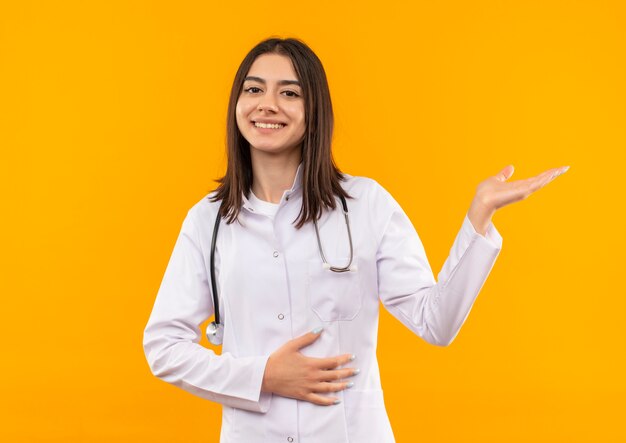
496 192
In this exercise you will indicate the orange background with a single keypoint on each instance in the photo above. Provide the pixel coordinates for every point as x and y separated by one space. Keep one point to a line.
112 124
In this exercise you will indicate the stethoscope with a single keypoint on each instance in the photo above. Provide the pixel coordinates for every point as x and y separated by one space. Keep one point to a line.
215 330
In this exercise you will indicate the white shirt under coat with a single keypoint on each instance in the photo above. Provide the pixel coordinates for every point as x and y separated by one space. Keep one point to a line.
272 288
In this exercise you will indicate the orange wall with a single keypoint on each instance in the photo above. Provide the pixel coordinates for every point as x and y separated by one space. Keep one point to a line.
112 125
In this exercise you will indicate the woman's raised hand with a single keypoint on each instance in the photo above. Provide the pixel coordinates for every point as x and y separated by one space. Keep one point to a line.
495 192
290 374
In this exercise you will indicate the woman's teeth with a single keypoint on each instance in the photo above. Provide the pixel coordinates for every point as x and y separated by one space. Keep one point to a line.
268 125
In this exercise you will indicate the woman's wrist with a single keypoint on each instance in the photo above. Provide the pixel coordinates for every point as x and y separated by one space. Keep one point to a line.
265 385
479 214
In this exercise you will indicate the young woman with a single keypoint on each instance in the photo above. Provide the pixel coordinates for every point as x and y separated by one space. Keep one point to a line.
299 257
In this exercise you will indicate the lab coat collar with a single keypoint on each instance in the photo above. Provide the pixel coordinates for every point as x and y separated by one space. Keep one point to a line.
297 184
297 181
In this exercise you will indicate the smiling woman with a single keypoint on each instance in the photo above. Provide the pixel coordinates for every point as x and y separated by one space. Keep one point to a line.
280 82
271 277
270 109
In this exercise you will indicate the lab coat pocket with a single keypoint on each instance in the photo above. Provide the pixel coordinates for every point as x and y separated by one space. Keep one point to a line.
366 416
334 295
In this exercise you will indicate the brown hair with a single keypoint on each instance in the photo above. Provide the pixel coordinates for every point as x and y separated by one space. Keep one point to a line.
320 175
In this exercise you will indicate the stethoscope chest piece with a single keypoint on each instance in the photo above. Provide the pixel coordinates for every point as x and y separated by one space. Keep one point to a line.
215 333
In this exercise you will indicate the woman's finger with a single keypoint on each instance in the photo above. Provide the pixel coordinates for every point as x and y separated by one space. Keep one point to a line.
547 177
336 374
561 171
332 387
304 340
554 172
333 362
550 173
528 186
322 400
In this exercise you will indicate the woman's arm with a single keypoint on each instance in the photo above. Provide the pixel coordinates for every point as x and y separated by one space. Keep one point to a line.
433 310
172 335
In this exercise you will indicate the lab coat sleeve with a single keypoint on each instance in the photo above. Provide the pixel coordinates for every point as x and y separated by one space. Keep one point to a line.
171 337
433 310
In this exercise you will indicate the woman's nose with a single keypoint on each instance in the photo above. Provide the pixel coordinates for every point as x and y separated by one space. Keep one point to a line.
267 102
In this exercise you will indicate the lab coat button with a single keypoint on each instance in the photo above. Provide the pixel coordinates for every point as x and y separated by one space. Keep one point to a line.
290 439
275 254
281 316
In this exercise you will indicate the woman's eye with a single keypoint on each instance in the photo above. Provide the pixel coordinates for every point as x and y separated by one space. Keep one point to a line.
255 90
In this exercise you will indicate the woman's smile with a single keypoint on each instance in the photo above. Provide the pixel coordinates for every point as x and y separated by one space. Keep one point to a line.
268 128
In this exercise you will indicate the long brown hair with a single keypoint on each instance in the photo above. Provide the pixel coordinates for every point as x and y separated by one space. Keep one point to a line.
320 175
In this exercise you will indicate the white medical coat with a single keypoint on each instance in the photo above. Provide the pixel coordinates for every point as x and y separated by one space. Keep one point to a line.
272 288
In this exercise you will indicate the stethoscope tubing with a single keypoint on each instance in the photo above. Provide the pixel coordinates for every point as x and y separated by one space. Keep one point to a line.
212 261
215 330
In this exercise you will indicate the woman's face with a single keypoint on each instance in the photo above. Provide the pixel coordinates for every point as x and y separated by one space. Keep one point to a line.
271 94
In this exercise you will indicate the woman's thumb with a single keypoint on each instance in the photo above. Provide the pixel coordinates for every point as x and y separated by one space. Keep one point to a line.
506 173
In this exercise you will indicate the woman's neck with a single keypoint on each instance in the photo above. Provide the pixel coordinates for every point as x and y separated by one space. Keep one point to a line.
272 175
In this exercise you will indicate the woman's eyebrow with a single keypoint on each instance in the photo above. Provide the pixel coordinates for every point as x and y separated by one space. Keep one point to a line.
280 82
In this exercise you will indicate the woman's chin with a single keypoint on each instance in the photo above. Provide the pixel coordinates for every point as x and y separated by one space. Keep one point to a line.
271 149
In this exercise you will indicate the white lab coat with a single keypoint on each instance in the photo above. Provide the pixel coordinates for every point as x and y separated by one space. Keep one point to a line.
272 288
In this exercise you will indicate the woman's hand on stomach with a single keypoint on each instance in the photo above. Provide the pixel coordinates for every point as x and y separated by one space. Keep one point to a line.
290 374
